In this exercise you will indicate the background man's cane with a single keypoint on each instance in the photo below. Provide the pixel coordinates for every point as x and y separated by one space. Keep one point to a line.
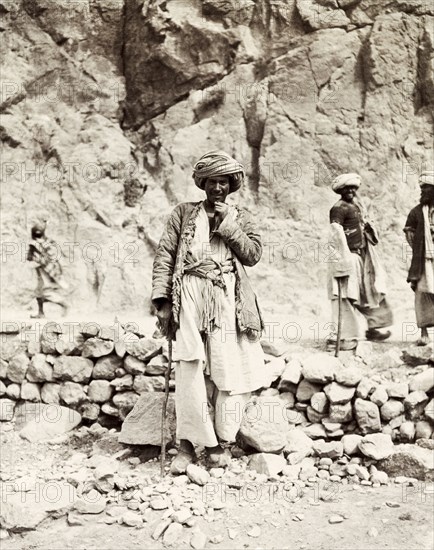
338 339
164 410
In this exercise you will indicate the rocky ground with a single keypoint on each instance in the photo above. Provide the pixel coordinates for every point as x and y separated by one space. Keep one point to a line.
73 496
327 488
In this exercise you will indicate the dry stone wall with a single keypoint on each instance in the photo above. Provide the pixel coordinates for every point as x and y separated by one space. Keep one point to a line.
102 372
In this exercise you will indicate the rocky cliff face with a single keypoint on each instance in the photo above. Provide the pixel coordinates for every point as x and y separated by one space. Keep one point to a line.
107 103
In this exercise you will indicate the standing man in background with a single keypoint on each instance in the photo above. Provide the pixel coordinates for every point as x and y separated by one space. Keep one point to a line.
44 253
419 232
355 266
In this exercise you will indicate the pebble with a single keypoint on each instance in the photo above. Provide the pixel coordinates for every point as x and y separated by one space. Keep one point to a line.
232 533
131 519
172 533
254 532
216 539
198 540
159 503
160 528
336 519
391 504
373 532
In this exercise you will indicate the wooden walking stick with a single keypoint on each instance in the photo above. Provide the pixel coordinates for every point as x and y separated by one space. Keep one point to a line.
338 339
164 409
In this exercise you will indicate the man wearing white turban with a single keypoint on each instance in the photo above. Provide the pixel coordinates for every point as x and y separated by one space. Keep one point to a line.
204 299
356 268
419 231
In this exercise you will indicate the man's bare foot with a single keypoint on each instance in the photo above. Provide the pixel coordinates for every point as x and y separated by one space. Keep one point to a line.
424 338
218 457
185 456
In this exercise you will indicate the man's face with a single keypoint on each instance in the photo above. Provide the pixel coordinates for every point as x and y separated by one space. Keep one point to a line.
348 193
217 188
427 194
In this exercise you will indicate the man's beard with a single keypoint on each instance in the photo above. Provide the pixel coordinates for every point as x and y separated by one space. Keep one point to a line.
427 201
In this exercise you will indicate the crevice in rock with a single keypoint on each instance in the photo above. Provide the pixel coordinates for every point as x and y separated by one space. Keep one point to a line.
362 66
424 94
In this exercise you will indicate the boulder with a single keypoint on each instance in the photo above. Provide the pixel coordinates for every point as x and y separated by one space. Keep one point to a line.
17 367
3 368
315 431
398 390
424 429
350 376
144 348
410 461
72 369
140 426
288 399
274 346
407 431
417 355
414 404
72 393
314 416
125 382
125 402
197 475
264 425
2 388
351 443
132 365
365 387
297 440
99 391
379 396
39 369
266 463
106 367
97 347
397 421
7 407
43 422
13 391
341 413
30 391
92 502
424 381
391 409
328 449
306 389
292 372
365 351
50 393
145 384
320 368
429 410
337 393
319 402
367 416
89 411
25 511
376 446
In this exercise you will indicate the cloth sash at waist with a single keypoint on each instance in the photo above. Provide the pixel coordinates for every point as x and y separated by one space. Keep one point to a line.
213 273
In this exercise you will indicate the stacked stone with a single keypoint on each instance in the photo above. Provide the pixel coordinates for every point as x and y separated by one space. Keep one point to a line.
96 370
328 399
